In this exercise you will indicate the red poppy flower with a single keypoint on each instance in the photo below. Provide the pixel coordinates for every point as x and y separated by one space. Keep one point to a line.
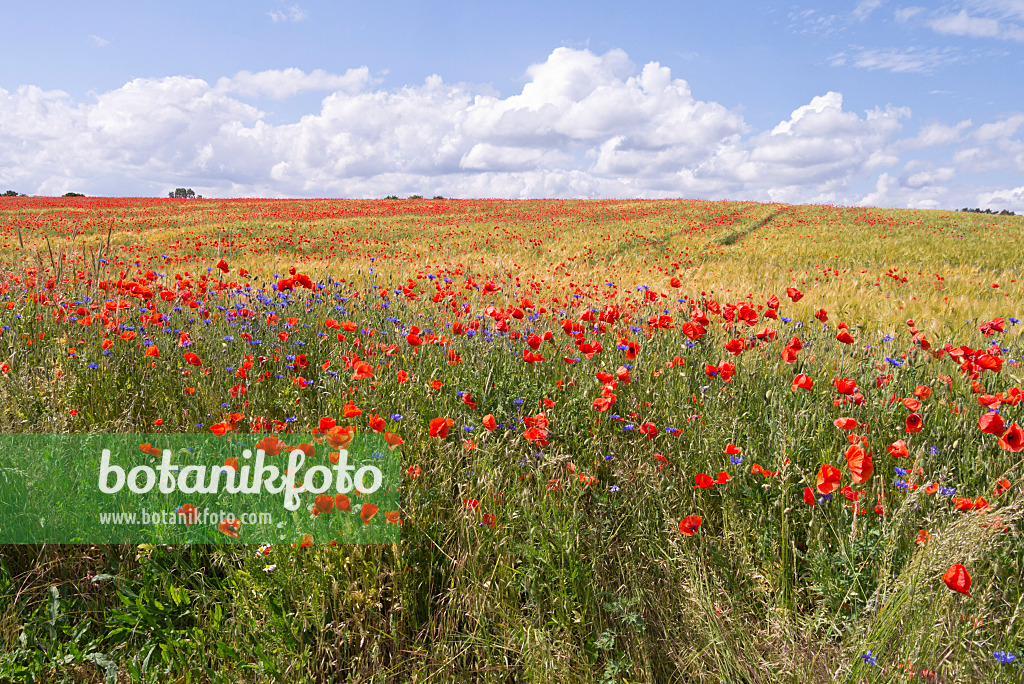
323 503
703 481
723 477
922 537
992 423
193 359
367 511
490 423
377 423
189 513
914 423
1002 486
223 266
794 294
859 463
828 479
439 427
845 423
802 381
219 429
1013 439
844 336
922 392
690 524
845 385
230 526
342 503
732 449
809 496
898 449
958 579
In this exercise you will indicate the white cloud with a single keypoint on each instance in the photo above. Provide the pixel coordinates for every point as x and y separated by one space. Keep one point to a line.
284 83
291 13
1000 19
583 125
898 60
865 8
97 41
905 14
937 135
1011 199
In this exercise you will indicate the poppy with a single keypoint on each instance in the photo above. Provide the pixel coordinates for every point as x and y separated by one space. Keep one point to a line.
393 517
340 437
922 392
690 524
914 423
153 351
821 315
809 496
342 503
992 423
393 440
307 540
1013 439
845 385
219 429
723 477
958 579
351 410
844 336
189 513
271 445
489 520
148 448
703 481
922 537
846 423
490 423
223 266
859 463
229 526
794 294
439 427
911 404
733 450
1002 486
323 503
366 512
828 479
898 449
802 381
193 359
377 423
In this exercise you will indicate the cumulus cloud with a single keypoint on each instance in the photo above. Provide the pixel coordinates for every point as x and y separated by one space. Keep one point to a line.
582 125
284 83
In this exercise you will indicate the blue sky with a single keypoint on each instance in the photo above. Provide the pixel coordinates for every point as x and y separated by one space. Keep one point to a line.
872 102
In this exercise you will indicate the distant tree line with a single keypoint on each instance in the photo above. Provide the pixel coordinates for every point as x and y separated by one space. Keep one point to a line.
184 193
413 197
13 193
1004 212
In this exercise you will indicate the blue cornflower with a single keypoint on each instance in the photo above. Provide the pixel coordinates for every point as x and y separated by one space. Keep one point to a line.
900 471
1005 657
518 402
736 460
868 658
613 488
396 416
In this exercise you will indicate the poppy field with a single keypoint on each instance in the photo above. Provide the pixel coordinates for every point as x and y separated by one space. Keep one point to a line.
641 441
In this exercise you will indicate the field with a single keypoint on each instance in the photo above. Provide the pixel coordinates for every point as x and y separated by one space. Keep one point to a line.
644 441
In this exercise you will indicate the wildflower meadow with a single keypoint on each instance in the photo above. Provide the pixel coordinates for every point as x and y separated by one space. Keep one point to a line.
640 441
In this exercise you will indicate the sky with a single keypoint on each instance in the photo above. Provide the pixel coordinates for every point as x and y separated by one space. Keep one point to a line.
872 103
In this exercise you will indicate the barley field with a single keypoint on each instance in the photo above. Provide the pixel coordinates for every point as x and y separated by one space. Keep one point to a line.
641 441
